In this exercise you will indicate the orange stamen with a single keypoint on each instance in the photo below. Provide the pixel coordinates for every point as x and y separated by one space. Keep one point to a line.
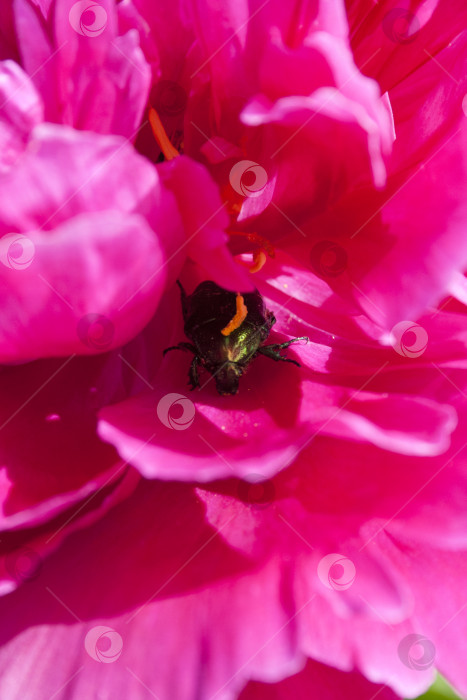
259 260
259 256
161 137
239 317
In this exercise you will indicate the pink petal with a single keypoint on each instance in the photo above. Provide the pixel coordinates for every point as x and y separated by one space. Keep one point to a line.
102 173
70 295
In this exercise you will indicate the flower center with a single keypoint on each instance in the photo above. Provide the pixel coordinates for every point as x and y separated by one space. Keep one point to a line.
265 247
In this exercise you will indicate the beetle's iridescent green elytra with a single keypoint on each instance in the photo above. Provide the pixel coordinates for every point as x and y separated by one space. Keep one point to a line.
206 313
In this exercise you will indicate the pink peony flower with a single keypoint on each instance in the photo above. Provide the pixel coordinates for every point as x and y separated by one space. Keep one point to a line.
308 535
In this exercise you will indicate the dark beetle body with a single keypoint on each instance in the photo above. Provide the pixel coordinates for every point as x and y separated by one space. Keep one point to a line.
209 310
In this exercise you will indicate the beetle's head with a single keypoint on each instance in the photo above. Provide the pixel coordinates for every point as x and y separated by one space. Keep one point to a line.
227 377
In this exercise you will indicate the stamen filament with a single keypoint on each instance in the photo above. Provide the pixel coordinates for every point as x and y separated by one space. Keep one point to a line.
255 238
161 137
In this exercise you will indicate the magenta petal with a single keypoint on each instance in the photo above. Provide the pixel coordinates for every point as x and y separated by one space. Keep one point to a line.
25 549
152 606
403 424
53 402
320 681
427 223
212 440
325 73
394 39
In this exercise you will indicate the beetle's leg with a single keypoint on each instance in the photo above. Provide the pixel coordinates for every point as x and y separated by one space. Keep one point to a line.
269 351
280 346
193 372
184 299
272 350
182 346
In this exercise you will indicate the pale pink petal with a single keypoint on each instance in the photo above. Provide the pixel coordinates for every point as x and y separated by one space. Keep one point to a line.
444 624
21 110
51 312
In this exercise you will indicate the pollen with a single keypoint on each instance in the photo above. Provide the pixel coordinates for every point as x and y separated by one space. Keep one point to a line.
239 317
161 137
